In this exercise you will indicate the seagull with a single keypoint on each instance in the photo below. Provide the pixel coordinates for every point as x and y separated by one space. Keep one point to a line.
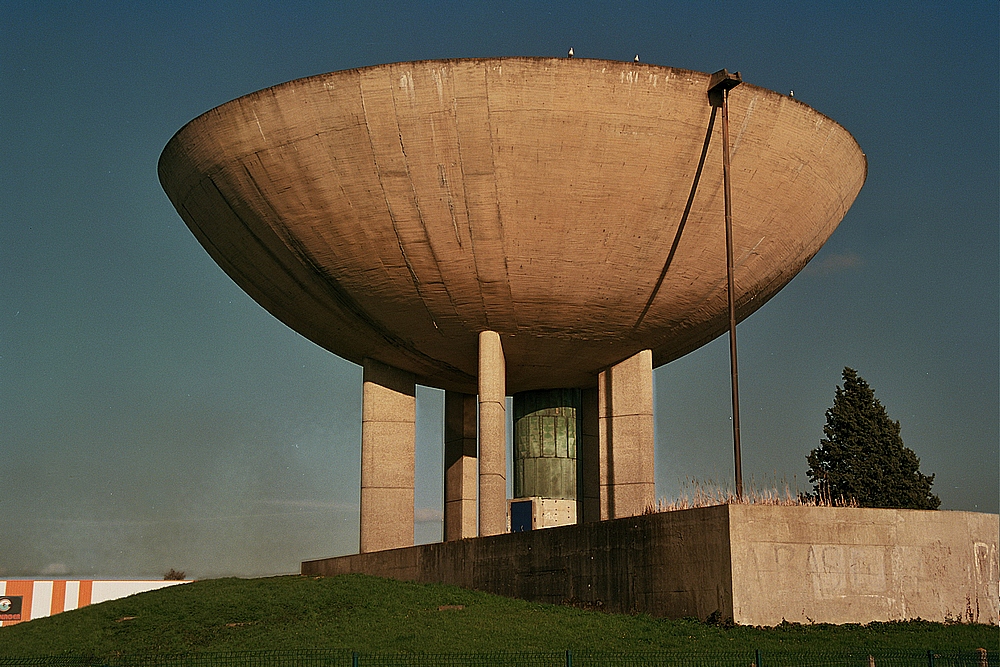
636 58
791 93
570 54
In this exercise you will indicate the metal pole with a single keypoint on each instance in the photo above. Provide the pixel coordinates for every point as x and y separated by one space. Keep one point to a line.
731 293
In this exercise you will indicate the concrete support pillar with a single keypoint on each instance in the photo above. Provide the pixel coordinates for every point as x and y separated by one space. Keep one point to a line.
459 466
589 502
492 435
388 437
625 409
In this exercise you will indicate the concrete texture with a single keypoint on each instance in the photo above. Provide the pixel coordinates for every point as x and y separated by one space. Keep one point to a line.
626 444
492 435
394 212
542 512
517 224
589 504
388 438
836 565
669 565
460 466
753 564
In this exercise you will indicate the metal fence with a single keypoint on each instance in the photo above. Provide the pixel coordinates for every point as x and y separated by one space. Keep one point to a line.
344 658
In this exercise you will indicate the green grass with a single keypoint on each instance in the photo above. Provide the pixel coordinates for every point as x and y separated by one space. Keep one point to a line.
377 615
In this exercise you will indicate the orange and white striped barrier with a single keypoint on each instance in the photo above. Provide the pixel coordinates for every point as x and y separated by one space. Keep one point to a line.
26 599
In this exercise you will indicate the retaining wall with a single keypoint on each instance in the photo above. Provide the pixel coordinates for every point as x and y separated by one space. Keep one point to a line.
754 564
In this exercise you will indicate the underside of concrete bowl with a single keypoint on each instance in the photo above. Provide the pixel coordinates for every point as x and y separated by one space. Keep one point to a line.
574 206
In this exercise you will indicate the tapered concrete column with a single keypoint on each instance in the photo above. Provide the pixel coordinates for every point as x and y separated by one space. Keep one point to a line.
459 466
388 436
589 503
492 435
625 404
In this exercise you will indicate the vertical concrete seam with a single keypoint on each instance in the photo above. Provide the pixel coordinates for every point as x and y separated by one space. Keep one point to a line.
506 269
385 195
420 218
465 201
728 555
381 183
607 409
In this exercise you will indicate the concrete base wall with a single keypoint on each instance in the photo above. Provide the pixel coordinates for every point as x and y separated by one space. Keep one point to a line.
850 565
754 564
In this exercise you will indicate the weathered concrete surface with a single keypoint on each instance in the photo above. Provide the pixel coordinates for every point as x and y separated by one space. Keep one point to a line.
839 565
460 465
754 564
492 435
589 504
614 562
394 212
388 439
627 448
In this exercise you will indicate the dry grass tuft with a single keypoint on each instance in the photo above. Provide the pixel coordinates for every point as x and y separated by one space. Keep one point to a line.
705 493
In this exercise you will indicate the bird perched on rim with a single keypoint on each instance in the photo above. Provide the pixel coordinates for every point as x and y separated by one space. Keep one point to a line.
570 54
636 58
791 93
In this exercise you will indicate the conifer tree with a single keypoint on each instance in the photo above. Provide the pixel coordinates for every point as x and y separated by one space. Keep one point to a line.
862 459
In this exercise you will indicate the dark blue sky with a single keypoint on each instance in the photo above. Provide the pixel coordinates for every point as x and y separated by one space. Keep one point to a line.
153 416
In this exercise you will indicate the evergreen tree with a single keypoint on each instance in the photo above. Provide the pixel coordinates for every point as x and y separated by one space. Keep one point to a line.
862 458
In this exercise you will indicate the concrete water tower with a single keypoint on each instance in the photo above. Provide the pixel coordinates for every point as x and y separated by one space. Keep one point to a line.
550 229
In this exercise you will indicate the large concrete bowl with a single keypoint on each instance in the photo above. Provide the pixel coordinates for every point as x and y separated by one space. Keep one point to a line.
574 206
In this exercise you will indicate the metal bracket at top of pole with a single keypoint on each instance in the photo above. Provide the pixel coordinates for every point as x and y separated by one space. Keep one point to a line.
720 83
719 86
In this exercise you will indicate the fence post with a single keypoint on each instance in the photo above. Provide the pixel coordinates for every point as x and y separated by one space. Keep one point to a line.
757 662
930 658
355 659
569 658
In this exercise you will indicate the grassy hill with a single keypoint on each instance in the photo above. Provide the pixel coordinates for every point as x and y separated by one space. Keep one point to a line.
376 615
